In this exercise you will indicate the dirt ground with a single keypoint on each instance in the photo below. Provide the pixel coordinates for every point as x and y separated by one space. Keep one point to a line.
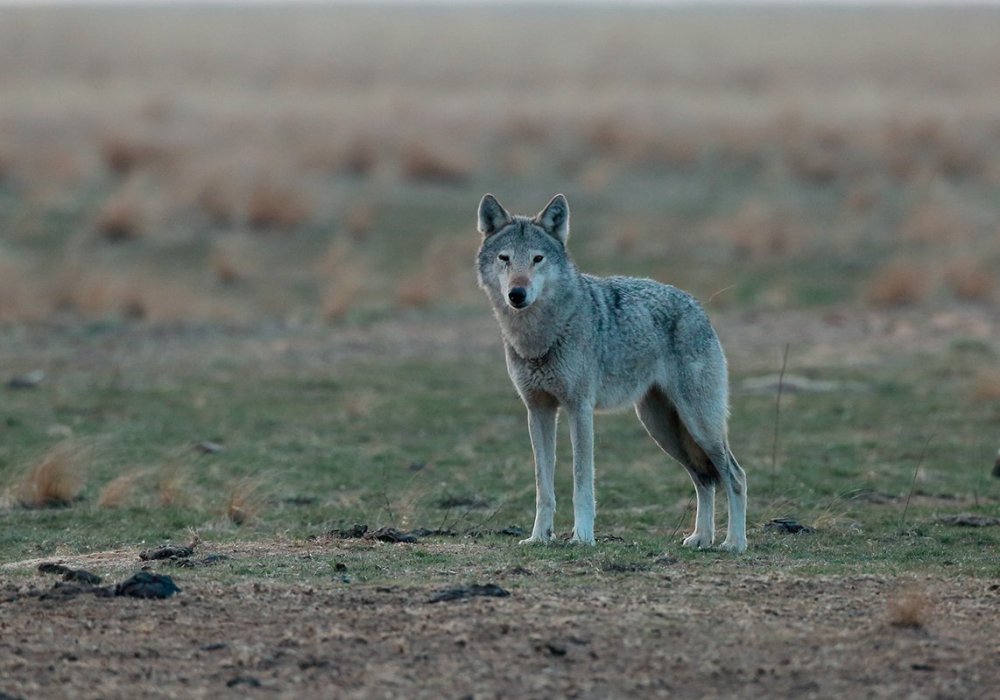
677 630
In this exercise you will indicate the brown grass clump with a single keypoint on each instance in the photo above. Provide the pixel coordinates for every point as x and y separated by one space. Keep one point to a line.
757 230
19 296
273 206
361 157
245 501
230 263
123 155
898 283
420 162
118 490
443 274
909 609
987 386
359 221
170 482
344 273
969 280
119 219
935 222
56 480
218 202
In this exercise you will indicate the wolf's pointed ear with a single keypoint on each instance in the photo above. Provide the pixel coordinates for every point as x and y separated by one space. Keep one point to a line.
554 218
492 215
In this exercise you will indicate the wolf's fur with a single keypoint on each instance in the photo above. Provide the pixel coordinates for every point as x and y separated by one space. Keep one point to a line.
585 343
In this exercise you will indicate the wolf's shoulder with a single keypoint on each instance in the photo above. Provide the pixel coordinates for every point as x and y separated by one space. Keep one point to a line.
640 290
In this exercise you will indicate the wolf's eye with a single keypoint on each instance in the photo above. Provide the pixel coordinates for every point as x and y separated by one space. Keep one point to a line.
538 258
503 258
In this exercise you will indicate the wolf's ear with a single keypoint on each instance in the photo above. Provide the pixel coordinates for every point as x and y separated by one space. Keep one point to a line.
554 218
492 215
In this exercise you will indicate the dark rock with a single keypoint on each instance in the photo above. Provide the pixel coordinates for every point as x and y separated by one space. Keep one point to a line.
391 534
249 681
787 525
489 590
81 576
147 585
168 552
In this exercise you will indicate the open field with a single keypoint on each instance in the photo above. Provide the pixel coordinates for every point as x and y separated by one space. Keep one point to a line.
236 286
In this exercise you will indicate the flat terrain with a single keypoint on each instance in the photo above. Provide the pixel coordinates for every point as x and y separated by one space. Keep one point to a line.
238 313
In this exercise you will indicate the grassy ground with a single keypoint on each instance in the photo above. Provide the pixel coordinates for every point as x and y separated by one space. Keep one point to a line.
438 441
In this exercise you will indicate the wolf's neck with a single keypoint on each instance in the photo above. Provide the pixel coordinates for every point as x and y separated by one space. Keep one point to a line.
533 331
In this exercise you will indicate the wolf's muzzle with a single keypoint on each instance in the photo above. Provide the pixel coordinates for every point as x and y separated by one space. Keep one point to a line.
518 297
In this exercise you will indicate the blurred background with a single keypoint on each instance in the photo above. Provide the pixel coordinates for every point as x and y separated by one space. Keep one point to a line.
323 164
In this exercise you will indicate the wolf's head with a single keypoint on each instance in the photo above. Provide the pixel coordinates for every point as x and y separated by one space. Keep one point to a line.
520 255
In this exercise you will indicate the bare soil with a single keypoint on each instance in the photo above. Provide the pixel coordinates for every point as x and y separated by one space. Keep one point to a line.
677 630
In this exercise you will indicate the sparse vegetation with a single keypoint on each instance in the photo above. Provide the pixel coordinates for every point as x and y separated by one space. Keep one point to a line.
56 479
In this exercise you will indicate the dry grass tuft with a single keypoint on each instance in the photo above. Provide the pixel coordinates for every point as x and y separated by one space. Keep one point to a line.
120 219
987 386
123 155
910 609
118 490
170 484
969 280
420 162
245 501
19 296
359 221
276 207
345 273
898 283
56 480
361 157
935 222
230 263
441 275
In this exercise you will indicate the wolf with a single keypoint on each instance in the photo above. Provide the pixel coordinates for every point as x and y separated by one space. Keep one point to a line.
583 343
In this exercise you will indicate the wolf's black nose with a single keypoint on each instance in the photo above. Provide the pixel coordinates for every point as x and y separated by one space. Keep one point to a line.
517 295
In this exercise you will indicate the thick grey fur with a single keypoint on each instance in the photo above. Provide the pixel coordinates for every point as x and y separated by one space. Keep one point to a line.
583 343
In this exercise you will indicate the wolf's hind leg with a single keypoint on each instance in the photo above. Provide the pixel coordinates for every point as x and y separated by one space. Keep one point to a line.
663 423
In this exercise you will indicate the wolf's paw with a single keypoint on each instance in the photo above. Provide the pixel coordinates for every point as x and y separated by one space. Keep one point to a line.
582 539
697 540
537 539
736 547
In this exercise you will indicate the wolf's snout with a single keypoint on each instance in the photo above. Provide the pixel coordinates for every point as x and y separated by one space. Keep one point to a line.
518 296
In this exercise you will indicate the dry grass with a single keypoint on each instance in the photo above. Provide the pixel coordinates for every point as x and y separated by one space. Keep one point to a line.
898 283
443 274
57 479
344 273
425 163
171 483
19 292
120 219
119 490
910 609
970 280
250 134
230 262
986 386
245 501
123 155
276 207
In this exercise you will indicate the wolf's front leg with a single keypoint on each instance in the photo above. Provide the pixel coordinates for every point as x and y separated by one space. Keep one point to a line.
542 428
581 431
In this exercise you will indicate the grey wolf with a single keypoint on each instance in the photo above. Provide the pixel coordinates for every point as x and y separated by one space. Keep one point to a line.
582 344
